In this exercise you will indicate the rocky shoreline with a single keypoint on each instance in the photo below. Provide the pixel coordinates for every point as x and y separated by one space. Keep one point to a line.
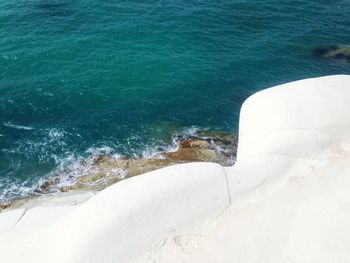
104 170
286 199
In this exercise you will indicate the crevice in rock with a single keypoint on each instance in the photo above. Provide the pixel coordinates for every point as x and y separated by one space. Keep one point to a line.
228 187
19 219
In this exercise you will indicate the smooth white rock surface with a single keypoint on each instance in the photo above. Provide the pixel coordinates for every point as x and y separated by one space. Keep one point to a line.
305 221
287 198
120 223
43 215
290 186
9 219
307 118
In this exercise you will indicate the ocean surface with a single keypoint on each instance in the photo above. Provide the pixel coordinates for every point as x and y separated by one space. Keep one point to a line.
84 78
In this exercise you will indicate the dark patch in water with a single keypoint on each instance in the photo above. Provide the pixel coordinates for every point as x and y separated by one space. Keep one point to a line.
322 51
333 52
55 8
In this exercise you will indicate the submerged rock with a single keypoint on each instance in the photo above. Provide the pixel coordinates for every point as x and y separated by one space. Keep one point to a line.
334 52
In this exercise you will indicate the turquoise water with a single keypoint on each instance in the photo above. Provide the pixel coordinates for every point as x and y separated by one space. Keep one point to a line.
82 78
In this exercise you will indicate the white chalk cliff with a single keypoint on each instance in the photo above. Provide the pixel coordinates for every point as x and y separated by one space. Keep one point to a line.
287 199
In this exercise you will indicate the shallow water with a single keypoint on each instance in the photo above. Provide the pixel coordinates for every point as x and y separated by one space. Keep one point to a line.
81 78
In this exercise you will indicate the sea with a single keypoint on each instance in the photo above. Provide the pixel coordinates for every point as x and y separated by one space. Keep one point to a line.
86 78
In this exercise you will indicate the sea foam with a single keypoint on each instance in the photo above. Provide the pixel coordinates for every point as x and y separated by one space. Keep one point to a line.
16 126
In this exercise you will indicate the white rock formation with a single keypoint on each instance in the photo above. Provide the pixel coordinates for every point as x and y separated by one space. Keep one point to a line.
287 198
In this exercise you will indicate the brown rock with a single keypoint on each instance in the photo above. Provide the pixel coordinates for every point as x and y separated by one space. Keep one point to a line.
100 159
111 171
196 143
65 189
46 187
219 136
3 206
190 154
209 146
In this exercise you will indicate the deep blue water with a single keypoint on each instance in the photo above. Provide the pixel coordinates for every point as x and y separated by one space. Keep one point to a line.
80 78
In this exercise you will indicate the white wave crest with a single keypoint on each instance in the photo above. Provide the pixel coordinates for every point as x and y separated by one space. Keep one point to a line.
16 126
